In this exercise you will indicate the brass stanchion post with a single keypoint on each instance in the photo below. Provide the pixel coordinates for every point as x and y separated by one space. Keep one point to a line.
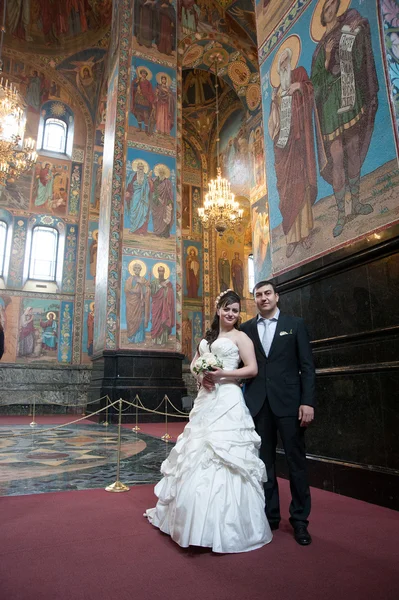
166 437
136 428
105 424
33 424
118 486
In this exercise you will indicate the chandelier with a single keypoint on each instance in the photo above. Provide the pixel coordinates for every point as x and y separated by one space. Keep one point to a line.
220 210
16 155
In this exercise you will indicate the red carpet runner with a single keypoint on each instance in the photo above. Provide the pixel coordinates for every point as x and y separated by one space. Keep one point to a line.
93 545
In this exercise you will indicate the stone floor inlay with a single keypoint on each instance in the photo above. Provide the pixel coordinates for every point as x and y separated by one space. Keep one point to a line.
75 457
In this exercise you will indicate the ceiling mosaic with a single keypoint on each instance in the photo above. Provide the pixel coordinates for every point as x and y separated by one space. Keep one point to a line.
198 94
42 26
235 18
238 72
269 13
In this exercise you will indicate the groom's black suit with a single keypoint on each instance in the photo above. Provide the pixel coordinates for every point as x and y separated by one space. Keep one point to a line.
285 380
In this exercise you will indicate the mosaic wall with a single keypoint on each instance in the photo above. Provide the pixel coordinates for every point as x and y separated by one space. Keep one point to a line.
102 247
330 149
149 293
57 67
195 262
389 15
38 324
130 188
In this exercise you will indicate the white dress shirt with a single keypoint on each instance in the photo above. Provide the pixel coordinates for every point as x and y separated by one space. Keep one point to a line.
271 324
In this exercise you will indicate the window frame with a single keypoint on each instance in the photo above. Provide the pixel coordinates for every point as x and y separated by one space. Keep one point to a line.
65 124
68 118
251 272
3 262
56 254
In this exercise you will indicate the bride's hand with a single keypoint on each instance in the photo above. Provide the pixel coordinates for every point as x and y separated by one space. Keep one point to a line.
215 375
207 383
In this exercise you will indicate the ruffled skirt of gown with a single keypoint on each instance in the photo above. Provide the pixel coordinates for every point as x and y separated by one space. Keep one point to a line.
211 494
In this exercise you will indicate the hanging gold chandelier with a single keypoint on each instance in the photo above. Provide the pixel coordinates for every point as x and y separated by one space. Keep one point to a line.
16 155
220 210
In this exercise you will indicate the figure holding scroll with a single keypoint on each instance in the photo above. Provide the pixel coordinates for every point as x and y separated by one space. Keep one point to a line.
345 85
290 127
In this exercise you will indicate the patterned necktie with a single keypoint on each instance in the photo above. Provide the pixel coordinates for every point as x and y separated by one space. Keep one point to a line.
267 335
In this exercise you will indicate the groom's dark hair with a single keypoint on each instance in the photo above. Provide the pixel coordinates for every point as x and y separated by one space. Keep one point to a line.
262 283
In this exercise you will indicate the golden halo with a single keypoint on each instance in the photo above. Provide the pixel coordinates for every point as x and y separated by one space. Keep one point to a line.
253 96
238 72
51 313
161 74
94 235
137 262
155 270
85 68
161 166
316 28
192 248
294 43
192 54
136 161
149 73
91 306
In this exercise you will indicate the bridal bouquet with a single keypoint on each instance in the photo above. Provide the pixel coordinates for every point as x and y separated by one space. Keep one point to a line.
206 362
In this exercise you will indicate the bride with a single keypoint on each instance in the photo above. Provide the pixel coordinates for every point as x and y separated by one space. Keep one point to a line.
211 493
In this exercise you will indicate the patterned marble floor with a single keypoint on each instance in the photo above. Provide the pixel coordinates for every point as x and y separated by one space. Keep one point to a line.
75 457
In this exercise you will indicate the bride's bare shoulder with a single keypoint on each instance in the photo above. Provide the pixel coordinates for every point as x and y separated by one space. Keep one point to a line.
240 337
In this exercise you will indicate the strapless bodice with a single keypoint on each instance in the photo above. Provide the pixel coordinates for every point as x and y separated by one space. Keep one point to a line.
225 349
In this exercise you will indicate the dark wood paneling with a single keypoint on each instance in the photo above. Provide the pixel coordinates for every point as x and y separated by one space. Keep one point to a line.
350 302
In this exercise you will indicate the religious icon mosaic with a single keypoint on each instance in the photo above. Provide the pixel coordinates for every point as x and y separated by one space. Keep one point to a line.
150 212
329 146
148 303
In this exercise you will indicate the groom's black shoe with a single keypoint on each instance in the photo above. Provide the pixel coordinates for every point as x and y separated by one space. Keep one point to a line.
301 534
274 525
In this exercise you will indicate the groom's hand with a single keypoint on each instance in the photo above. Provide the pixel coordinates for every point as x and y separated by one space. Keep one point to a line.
305 415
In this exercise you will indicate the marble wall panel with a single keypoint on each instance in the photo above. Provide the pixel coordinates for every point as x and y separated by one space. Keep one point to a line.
349 419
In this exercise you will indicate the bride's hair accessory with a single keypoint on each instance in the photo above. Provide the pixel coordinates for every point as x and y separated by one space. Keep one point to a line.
218 299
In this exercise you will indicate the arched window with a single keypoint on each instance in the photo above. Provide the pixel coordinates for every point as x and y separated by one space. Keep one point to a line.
56 129
3 243
43 255
55 136
251 273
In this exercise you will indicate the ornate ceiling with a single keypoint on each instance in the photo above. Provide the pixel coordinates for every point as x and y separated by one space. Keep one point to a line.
199 102
45 26
72 37
242 14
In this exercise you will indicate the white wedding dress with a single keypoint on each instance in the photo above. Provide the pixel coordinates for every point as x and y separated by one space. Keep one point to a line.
212 493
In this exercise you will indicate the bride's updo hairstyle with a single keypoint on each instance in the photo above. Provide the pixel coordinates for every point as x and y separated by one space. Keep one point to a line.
224 299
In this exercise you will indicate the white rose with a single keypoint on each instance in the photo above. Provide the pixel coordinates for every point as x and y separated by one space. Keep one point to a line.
210 359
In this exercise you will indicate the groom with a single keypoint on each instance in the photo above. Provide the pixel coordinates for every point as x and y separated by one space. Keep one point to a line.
281 399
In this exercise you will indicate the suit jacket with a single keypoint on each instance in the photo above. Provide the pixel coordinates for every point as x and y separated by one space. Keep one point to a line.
286 378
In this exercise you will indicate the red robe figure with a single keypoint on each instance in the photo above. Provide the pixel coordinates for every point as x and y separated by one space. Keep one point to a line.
163 308
142 99
291 129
